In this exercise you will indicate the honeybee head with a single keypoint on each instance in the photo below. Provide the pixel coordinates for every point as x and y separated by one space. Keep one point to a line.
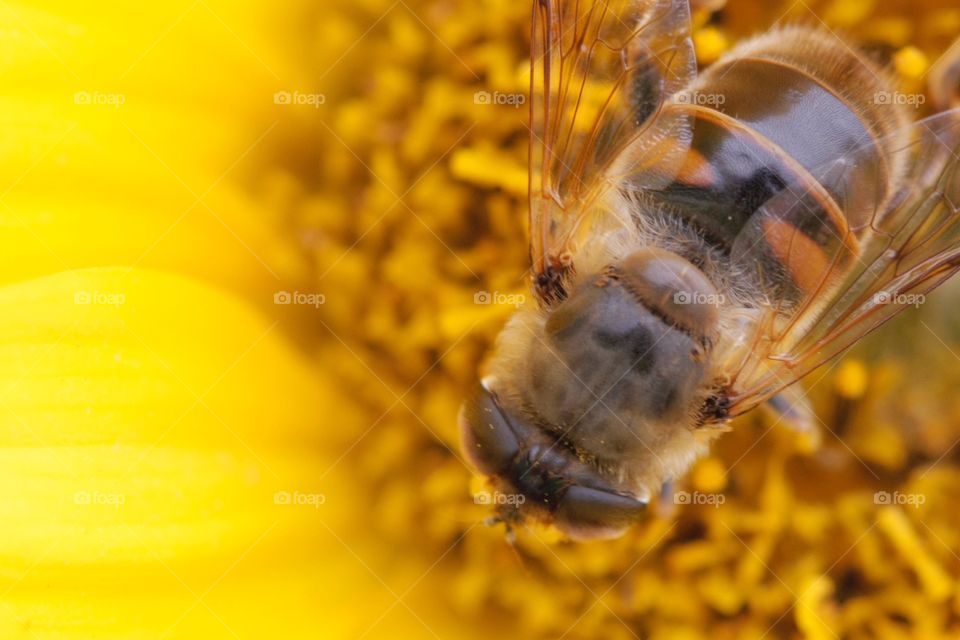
593 403
538 476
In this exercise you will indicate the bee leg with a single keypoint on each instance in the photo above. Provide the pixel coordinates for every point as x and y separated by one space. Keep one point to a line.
666 505
791 408
509 532
511 535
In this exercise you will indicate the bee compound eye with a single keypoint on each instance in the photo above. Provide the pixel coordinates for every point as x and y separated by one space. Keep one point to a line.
587 513
489 440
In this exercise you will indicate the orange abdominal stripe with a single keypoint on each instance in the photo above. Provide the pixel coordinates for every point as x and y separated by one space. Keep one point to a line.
697 171
804 259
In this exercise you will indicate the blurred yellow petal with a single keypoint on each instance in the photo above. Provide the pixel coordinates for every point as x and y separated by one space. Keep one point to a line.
147 424
129 148
46 234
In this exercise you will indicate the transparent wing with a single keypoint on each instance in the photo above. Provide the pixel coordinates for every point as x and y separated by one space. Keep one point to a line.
847 273
601 72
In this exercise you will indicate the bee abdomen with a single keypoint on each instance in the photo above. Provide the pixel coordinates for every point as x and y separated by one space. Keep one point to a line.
794 113
862 85
815 100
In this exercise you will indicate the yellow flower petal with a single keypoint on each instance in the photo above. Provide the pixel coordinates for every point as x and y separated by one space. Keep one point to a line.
159 439
126 150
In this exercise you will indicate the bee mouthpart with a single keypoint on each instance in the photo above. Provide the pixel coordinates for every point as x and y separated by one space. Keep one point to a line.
540 476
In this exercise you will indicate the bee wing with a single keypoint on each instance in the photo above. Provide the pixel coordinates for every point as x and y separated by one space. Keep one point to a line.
600 75
849 277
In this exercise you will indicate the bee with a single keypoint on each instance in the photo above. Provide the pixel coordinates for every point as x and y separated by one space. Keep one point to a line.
699 243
